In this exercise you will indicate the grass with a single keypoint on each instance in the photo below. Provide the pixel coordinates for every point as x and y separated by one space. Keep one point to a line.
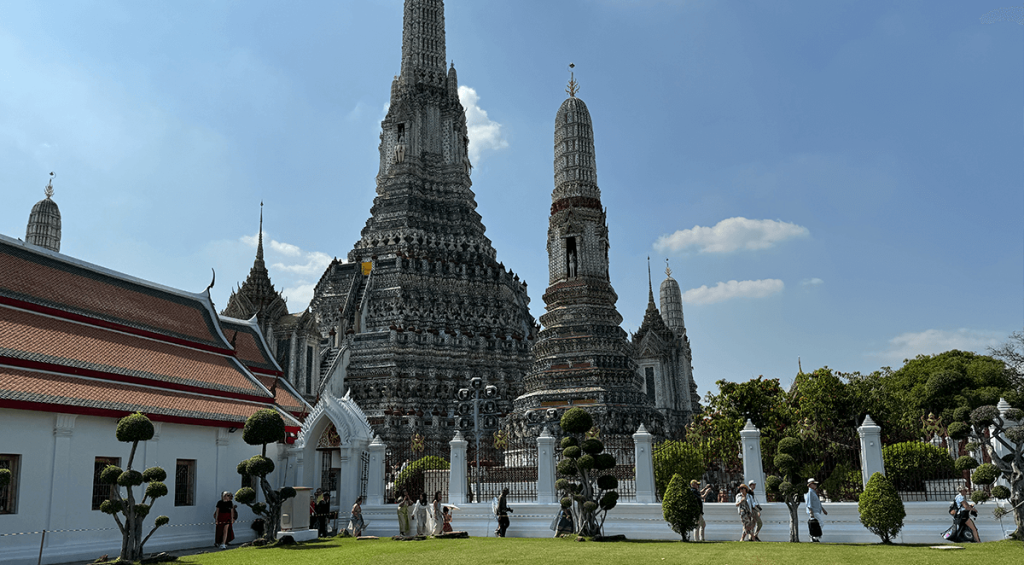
485 551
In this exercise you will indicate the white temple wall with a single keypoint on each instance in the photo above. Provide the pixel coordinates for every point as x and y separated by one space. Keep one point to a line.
55 484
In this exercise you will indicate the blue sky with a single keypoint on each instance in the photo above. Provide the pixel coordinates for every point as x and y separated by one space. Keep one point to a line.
836 181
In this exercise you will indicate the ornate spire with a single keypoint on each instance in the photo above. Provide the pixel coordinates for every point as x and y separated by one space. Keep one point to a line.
668 270
574 86
44 222
423 48
259 246
48 191
650 286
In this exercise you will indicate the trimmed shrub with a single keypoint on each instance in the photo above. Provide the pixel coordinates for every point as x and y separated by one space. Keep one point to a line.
958 430
985 474
965 463
607 482
566 502
983 416
154 474
569 441
155 490
109 474
259 466
264 426
881 509
679 507
567 467
130 479
1000 492
604 461
417 467
135 427
245 495
585 462
909 464
592 446
576 421
571 452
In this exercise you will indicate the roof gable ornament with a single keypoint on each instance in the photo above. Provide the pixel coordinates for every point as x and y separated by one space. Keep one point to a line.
668 270
574 86
49 187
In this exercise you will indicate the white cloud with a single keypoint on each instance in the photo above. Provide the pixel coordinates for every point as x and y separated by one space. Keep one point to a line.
315 264
286 248
484 133
812 282
733 289
299 294
731 234
931 342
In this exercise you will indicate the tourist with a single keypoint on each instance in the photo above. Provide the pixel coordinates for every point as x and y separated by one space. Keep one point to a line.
503 512
323 513
437 520
723 495
446 520
419 514
707 495
224 516
564 523
404 502
814 511
698 533
962 509
745 512
755 509
355 524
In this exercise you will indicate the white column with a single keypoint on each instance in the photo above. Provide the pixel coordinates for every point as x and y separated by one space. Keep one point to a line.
871 461
457 473
1000 449
63 429
753 470
546 468
375 478
644 465
221 480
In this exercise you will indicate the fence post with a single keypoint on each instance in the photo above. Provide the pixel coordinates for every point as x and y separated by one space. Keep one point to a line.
546 468
871 460
375 473
457 469
999 448
753 469
644 465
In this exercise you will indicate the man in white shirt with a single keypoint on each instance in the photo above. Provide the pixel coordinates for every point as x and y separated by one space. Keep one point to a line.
814 510
755 508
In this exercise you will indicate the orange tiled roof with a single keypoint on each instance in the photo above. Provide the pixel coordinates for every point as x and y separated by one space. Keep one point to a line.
250 348
50 281
64 393
283 395
32 340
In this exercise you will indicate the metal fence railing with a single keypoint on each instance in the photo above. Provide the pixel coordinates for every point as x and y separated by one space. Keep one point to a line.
418 465
505 462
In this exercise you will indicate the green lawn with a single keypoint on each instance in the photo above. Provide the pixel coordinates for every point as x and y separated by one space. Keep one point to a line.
485 551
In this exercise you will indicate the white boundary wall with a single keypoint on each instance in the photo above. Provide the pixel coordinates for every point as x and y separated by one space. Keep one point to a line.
924 523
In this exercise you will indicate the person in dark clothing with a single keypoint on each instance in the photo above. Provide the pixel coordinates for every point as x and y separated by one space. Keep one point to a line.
503 512
698 533
323 511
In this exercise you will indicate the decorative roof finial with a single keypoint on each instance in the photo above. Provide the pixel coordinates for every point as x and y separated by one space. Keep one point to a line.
668 270
574 86
650 287
49 188
259 247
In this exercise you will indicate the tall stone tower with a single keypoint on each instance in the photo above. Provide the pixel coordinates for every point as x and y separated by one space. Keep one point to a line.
582 356
422 305
664 361
44 222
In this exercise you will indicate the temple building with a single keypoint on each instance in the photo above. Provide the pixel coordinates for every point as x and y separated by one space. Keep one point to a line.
294 338
44 222
422 304
582 356
662 353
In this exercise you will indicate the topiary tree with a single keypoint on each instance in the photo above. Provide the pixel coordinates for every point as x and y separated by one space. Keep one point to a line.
909 464
676 457
881 508
411 477
263 427
680 507
1000 434
133 429
586 491
789 487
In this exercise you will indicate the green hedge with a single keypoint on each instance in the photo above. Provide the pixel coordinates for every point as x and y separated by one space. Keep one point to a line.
416 468
910 463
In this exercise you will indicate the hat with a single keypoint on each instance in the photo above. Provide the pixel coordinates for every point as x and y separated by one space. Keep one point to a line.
743 486
694 483
811 481
751 482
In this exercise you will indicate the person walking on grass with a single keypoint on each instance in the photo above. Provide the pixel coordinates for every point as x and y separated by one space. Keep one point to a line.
698 532
814 511
503 512
755 509
404 504
746 514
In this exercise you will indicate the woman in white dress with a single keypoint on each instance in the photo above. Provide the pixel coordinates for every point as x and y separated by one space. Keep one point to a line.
437 520
420 515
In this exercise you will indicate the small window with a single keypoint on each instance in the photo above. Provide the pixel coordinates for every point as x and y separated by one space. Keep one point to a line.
649 378
9 493
100 491
185 482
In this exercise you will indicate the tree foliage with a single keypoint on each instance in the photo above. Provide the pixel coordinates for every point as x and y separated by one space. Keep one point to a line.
122 504
680 507
910 463
881 508
585 489
788 486
413 472
263 427
675 457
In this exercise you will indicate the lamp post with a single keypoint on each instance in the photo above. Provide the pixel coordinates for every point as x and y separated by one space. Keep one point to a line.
476 386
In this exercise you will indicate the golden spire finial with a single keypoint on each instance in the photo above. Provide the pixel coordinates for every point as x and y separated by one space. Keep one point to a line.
574 86
668 270
49 188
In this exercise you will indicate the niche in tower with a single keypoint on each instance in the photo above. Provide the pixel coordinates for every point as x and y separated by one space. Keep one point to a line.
571 258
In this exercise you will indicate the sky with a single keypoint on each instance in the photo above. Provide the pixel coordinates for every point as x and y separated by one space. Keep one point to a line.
836 182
